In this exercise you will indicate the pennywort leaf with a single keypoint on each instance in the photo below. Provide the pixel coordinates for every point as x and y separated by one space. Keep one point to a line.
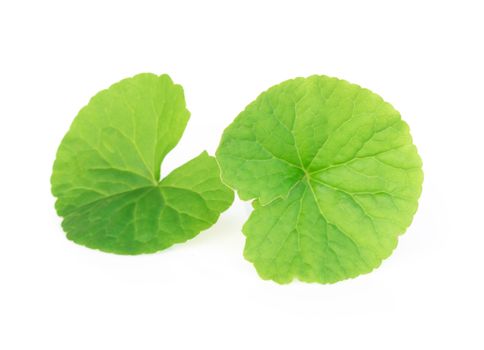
334 174
106 174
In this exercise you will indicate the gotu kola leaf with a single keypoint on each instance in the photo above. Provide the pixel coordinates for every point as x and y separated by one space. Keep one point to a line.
334 174
106 175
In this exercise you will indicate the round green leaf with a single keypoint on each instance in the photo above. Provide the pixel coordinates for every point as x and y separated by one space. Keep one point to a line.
335 176
106 174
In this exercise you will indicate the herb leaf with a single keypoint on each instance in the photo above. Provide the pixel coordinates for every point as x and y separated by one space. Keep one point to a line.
106 175
335 176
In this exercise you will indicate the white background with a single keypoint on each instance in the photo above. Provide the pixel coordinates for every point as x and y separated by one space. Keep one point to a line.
424 57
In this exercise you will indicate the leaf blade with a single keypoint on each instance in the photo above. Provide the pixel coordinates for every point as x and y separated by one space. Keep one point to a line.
357 190
107 169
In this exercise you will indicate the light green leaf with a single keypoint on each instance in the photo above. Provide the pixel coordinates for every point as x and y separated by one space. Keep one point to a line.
335 176
106 175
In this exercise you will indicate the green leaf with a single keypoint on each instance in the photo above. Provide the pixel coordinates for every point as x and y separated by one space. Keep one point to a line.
106 175
335 176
